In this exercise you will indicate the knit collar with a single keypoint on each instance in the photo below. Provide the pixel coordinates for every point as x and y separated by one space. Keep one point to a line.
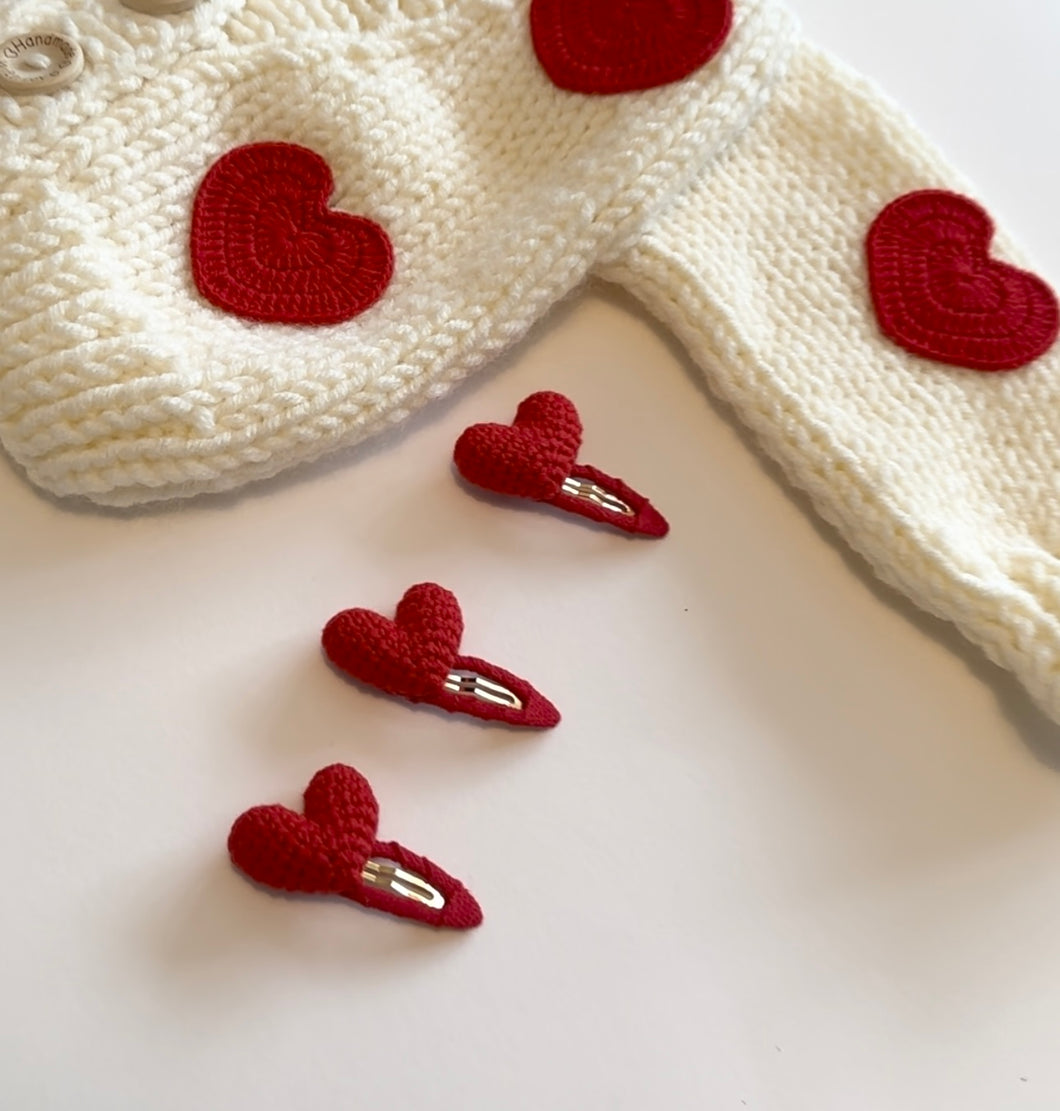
105 28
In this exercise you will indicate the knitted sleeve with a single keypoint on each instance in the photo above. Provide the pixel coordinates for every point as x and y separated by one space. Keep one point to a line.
903 419
255 231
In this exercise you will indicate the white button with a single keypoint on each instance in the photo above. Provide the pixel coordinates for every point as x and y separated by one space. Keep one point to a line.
160 7
39 62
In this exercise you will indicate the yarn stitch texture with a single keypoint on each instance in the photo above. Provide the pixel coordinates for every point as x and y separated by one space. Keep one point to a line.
323 851
604 46
938 293
734 204
532 456
944 480
264 244
411 656
497 190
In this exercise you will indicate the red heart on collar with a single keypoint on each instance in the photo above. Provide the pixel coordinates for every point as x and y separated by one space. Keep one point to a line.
528 458
620 46
265 245
409 656
939 294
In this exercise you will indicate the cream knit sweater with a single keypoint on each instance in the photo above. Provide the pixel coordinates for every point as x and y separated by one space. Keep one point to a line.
734 203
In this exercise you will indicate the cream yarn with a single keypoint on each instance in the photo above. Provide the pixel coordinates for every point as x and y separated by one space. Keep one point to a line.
944 479
498 191
734 204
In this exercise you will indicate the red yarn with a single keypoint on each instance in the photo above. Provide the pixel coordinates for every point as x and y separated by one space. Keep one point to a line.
265 245
620 46
646 519
323 851
412 655
939 294
531 457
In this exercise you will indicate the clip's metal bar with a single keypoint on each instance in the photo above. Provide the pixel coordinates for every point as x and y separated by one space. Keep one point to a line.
589 491
470 682
385 875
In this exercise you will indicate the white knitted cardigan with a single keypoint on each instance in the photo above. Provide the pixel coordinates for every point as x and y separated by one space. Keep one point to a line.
734 203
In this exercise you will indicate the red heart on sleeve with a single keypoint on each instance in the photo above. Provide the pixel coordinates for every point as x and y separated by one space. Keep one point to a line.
939 294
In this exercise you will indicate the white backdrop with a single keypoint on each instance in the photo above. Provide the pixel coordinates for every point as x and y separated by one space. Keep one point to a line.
795 847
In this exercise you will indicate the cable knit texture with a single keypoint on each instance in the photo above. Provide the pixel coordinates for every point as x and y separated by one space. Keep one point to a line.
497 189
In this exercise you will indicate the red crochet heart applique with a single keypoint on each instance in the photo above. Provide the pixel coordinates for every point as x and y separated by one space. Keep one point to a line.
528 458
621 46
939 294
265 245
324 851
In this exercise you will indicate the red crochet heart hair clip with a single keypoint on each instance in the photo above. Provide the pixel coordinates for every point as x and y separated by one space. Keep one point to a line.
331 849
536 457
416 656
